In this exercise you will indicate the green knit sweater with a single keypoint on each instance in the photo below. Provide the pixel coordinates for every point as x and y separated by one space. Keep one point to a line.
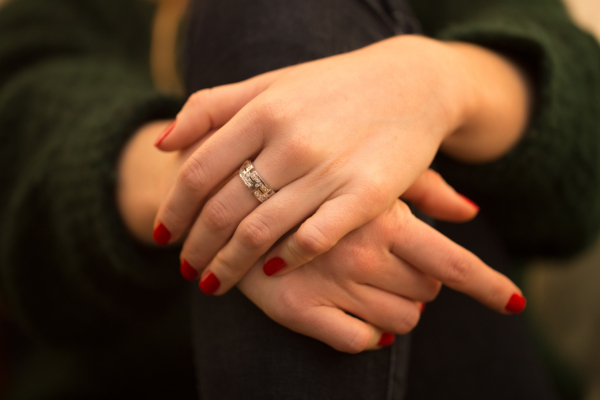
109 315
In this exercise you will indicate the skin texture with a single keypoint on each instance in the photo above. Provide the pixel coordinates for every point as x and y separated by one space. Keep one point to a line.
379 272
340 139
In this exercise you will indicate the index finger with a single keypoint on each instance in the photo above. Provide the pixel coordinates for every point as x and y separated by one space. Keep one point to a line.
433 253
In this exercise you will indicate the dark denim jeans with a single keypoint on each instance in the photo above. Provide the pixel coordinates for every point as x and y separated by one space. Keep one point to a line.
460 350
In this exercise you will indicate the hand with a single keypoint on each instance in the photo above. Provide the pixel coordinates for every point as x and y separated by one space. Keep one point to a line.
381 273
144 177
377 272
340 138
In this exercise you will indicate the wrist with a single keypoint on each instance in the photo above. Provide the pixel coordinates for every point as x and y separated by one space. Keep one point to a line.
496 105
442 74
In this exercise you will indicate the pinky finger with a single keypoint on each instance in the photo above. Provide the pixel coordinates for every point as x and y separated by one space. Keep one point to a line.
341 331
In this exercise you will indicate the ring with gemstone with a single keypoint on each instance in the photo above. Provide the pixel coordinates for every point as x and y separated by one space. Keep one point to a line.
262 191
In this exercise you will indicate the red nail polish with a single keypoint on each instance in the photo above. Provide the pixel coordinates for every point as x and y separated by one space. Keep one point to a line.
165 133
161 235
209 284
387 339
422 308
516 304
187 271
273 265
469 201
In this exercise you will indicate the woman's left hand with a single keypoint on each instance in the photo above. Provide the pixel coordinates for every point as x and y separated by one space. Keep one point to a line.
339 139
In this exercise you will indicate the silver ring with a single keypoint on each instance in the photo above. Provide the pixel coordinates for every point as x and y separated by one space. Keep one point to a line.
262 191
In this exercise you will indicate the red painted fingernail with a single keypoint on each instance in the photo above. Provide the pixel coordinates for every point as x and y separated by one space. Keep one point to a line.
165 133
273 265
422 308
387 339
469 201
161 234
187 271
209 284
516 304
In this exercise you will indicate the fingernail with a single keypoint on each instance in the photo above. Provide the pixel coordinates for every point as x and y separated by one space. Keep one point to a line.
471 202
516 304
165 133
387 339
273 265
209 284
187 271
422 308
161 235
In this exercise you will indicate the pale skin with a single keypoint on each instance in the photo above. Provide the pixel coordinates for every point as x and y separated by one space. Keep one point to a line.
340 139
382 272
468 101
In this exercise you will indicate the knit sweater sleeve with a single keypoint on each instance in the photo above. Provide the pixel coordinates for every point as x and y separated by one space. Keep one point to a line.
74 85
544 195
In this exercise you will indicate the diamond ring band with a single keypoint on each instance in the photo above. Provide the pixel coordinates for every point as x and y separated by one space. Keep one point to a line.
262 191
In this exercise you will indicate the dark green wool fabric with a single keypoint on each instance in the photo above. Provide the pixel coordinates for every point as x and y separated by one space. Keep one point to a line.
544 196
109 315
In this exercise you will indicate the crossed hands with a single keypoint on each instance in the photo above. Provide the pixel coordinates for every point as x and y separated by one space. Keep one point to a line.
339 169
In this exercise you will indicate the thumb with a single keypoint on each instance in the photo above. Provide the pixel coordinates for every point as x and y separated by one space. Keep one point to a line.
432 195
209 109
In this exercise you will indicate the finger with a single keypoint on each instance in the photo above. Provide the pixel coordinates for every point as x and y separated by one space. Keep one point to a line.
432 195
212 163
222 214
303 304
436 255
319 233
260 230
385 310
397 277
211 109
341 331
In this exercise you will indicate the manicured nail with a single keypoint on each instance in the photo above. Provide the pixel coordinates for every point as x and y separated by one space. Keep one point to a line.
161 235
387 339
165 133
273 265
469 201
422 308
516 304
209 284
187 271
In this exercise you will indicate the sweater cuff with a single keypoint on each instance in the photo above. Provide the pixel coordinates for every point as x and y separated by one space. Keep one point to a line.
82 179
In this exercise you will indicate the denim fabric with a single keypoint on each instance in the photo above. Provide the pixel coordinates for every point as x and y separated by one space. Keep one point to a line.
239 352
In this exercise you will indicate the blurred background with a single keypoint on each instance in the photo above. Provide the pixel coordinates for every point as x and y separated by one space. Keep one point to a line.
564 297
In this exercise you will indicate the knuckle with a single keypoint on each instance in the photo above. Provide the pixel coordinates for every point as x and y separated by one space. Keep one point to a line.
216 216
193 175
226 270
373 189
299 150
362 261
458 270
357 342
176 221
289 307
311 241
200 98
271 111
255 234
